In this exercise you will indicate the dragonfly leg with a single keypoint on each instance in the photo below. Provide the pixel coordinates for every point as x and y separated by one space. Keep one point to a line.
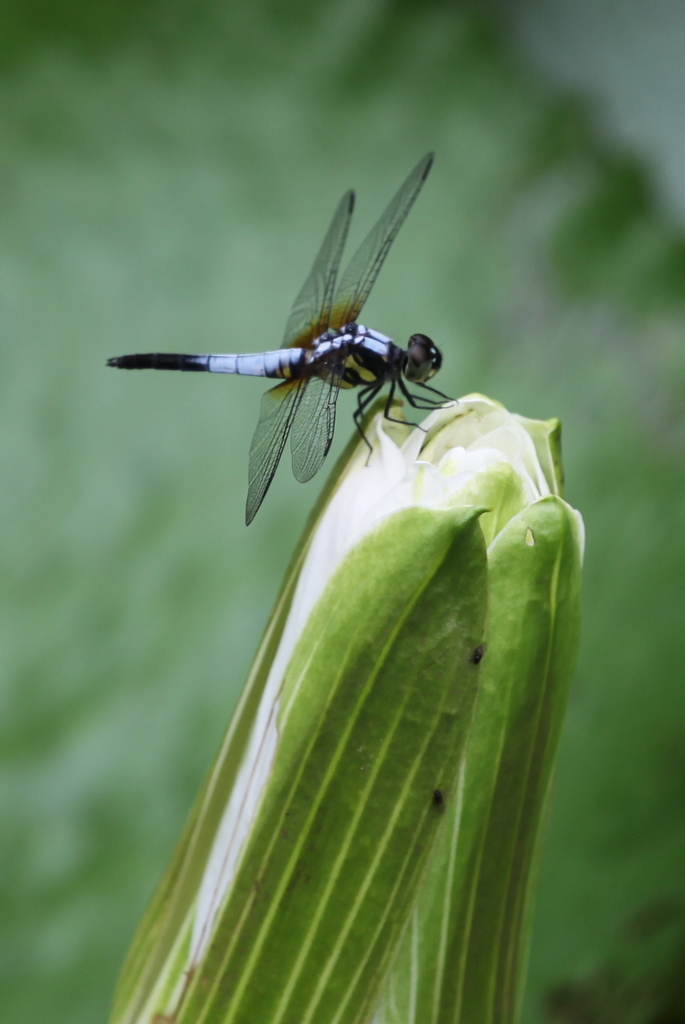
364 399
393 419
427 387
419 402
414 401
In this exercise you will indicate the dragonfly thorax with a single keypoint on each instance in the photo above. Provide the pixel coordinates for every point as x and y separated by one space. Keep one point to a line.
367 356
373 358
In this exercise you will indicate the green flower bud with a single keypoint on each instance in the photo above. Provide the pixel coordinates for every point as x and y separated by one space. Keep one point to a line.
317 848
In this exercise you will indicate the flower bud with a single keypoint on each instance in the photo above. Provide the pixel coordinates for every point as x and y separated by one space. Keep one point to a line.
318 847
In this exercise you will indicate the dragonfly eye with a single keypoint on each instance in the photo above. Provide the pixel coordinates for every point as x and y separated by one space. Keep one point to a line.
423 358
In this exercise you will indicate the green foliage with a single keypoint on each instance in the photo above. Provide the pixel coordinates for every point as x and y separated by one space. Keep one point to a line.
166 192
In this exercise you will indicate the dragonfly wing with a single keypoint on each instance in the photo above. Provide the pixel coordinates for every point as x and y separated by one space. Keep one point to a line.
314 423
311 310
278 409
365 265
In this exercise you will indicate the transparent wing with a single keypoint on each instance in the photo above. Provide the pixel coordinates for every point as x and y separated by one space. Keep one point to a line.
365 265
311 310
314 422
276 415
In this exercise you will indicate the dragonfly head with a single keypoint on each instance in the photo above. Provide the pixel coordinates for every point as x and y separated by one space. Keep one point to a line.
423 359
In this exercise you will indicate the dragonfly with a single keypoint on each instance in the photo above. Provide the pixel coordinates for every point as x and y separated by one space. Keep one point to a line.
324 349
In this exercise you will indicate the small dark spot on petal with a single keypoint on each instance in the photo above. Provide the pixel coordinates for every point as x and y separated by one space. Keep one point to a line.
478 654
438 797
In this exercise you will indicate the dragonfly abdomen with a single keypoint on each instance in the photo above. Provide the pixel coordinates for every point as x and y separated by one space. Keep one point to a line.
159 361
283 363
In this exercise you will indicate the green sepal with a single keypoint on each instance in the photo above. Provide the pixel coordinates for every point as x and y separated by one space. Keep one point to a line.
150 959
501 490
378 699
546 435
461 958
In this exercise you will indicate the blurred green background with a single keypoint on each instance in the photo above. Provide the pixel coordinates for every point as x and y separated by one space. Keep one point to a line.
167 171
